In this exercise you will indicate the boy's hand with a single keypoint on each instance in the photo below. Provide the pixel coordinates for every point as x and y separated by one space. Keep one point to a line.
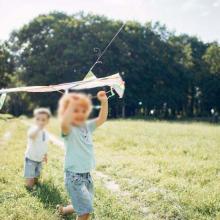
40 126
70 99
66 109
102 97
45 158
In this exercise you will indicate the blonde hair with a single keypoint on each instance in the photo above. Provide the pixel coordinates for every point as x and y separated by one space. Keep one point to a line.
45 111
83 100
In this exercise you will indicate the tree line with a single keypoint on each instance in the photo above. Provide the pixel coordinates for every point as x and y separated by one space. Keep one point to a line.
166 75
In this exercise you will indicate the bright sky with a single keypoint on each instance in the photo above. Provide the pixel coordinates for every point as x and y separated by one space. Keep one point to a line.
195 17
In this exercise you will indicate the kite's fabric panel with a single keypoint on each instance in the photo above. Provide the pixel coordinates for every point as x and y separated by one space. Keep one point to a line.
90 75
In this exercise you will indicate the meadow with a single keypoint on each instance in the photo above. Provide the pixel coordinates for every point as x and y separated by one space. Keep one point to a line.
145 170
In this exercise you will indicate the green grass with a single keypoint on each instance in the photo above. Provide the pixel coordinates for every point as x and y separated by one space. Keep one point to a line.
17 203
172 169
165 171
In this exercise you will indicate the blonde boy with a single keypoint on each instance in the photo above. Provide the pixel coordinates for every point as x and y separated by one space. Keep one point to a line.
74 110
37 146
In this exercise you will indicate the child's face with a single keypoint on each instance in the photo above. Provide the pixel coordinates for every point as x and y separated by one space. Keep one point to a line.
80 115
41 120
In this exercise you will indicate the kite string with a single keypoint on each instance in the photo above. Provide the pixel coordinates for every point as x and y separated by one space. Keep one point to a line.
109 44
106 48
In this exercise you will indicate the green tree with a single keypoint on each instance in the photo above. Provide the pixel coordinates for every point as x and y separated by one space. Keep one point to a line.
211 81
161 70
6 65
212 58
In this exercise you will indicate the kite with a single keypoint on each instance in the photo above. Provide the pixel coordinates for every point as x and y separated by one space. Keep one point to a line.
90 81
114 81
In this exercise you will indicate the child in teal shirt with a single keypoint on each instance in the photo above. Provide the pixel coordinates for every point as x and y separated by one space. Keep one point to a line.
74 110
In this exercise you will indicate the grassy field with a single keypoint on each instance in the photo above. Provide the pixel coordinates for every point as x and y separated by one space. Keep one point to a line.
164 171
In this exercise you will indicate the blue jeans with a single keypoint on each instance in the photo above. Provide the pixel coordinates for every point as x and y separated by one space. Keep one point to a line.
32 168
80 189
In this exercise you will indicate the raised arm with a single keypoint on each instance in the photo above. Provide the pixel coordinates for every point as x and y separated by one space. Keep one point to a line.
32 133
103 114
66 114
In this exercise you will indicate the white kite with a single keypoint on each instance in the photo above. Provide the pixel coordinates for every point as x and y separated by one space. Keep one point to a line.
114 81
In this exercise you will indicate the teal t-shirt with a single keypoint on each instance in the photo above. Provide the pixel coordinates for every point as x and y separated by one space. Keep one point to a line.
79 153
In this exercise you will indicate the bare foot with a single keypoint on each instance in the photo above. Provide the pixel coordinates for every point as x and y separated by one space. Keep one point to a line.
59 209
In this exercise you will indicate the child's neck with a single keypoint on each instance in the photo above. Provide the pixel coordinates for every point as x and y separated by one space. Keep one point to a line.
78 125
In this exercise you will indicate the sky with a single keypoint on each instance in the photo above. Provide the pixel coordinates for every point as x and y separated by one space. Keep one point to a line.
195 17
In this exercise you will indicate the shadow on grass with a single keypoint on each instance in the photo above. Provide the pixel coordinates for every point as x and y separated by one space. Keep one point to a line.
50 196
